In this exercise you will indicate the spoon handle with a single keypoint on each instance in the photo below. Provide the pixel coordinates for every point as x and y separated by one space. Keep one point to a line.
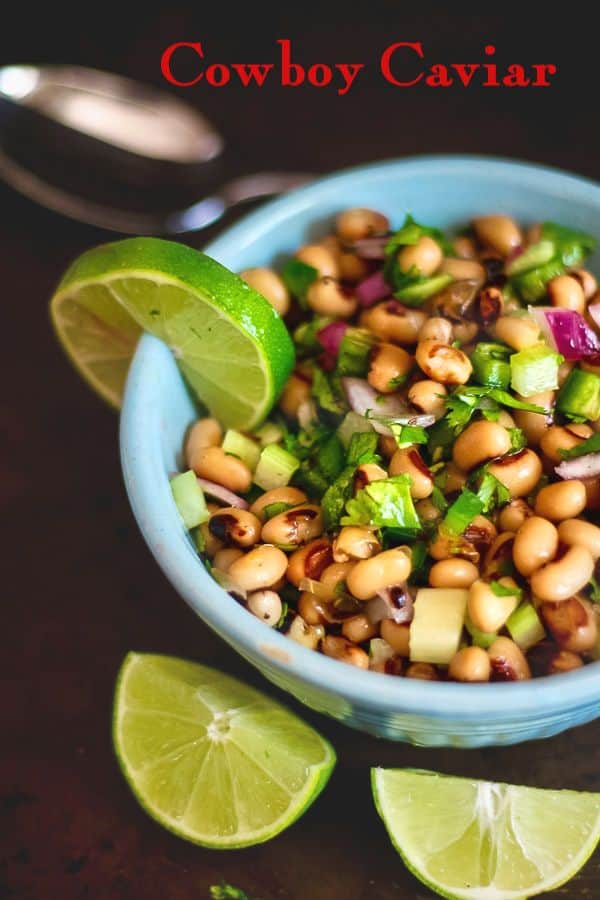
194 218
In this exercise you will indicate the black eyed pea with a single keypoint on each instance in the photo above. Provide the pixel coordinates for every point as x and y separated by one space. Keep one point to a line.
359 629
448 365
453 573
428 397
535 425
367 473
508 661
454 478
369 576
296 526
328 297
295 393
498 554
479 442
334 577
313 610
562 500
572 622
355 542
443 546
437 329
592 490
351 267
266 606
389 365
309 561
489 611
203 433
464 247
564 661
464 270
465 332
215 465
225 557
397 635
211 544
422 672
387 445
587 281
344 650
512 516
579 533
470 664
519 472
519 332
426 256
270 285
481 531
566 292
499 232
427 510
559 437
259 568
308 635
358 223
390 321
564 577
535 544
408 461
320 258
290 495
233 526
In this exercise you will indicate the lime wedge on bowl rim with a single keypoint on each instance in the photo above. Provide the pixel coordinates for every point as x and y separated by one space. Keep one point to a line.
231 345
485 841
211 759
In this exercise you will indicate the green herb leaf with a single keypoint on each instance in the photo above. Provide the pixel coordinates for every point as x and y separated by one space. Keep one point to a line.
591 445
363 448
330 457
517 438
225 891
355 348
274 509
438 499
298 277
305 336
594 590
570 245
411 232
491 492
327 393
385 504
462 512
409 434
335 498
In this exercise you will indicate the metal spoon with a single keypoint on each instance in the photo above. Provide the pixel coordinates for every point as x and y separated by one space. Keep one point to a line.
146 124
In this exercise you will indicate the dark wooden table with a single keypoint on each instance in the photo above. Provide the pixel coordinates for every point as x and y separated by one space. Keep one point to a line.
80 588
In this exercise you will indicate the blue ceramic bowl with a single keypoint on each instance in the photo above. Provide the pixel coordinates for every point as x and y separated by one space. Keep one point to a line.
445 191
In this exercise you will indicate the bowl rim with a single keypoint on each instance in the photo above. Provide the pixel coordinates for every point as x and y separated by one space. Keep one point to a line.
174 554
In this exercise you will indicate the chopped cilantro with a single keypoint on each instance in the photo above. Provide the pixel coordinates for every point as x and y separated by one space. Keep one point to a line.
502 590
385 504
363 448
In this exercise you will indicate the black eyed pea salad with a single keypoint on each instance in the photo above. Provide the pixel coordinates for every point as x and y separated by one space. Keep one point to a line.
425 499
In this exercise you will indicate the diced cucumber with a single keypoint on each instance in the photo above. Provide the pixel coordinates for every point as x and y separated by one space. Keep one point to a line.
189 499
580 395
525 627
534 370
275 467
237 444
269 433
436 629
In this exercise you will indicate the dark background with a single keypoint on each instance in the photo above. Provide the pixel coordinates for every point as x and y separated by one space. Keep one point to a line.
80 588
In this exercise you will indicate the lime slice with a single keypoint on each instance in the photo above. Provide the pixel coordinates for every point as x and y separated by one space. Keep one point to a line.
212 759
231 345
485 841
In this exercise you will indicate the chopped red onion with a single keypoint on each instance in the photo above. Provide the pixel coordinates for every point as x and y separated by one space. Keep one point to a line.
372 289
371 247
221 493
566 331
392 603
587 466
331 336
364 399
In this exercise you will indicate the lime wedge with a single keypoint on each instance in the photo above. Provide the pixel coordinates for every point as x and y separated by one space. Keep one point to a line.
231 345
212 759
485 841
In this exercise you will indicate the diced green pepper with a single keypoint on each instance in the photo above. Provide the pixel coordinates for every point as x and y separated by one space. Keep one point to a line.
491 367
579 396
